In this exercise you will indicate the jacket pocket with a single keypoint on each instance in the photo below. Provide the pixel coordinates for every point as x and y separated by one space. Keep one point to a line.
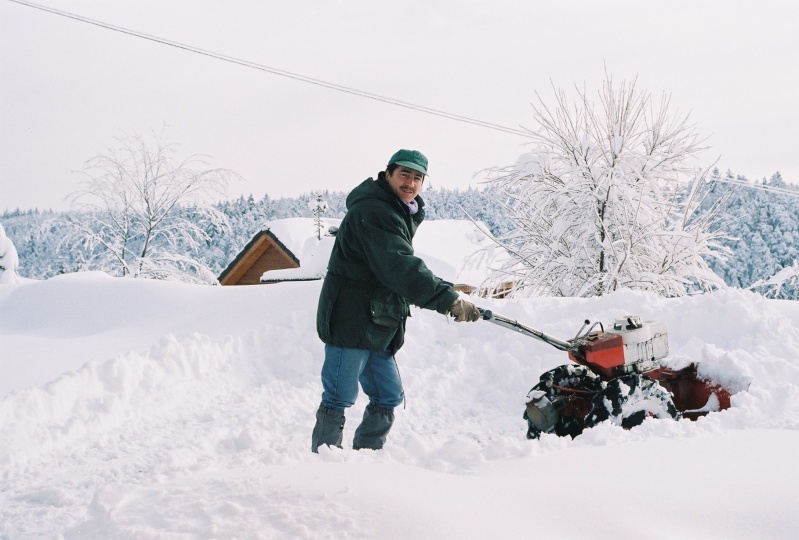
387 308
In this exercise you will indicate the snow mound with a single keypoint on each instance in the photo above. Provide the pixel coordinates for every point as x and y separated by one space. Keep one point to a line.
192 415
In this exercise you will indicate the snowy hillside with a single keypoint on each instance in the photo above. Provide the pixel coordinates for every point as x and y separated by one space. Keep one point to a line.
145 409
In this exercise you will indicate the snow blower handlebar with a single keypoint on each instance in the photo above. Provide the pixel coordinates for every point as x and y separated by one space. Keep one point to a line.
505 322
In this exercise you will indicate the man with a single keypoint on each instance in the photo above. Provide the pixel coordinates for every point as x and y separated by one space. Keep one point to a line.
372 277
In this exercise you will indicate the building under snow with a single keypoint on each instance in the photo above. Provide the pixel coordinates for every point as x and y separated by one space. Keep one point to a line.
459 251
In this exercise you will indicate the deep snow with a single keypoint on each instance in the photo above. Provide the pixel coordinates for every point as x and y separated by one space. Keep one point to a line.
144 409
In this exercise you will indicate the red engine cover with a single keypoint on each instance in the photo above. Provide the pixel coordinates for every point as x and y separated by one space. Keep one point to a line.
605 351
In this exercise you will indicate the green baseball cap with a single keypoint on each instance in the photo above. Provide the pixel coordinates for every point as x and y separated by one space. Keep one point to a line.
413 159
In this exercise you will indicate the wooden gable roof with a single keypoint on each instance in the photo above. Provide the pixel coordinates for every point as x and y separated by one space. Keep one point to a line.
264 252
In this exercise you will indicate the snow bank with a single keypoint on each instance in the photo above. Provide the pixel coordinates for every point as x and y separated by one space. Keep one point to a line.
193 415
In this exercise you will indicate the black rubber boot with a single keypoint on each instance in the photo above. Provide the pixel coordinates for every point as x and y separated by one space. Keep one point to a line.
329 428
374 428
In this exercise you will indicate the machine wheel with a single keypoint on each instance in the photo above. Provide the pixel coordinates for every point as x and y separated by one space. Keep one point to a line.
571 407
628 400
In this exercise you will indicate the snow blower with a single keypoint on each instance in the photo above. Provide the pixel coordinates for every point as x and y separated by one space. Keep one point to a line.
615 377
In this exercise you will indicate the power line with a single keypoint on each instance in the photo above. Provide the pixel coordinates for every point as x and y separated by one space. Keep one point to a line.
276 71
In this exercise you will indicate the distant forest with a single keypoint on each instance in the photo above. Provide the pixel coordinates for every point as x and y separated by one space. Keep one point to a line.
761 228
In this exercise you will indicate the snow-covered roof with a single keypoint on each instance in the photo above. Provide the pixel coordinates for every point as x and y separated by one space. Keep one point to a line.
458 251
300 236
294 232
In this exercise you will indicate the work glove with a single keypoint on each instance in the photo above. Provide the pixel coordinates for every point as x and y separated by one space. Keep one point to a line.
463 311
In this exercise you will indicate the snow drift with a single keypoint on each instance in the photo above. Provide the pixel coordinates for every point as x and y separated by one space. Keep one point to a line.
143 409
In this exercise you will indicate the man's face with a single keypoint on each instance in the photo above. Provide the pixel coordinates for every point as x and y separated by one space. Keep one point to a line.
405 182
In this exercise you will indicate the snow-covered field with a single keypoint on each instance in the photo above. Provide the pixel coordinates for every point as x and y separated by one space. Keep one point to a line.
145 409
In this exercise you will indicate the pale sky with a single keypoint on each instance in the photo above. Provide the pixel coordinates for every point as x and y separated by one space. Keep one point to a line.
67 88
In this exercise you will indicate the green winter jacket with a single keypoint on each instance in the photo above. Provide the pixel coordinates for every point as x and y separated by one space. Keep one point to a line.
373 274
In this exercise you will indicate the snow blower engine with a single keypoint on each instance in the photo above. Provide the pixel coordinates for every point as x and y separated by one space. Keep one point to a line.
616 377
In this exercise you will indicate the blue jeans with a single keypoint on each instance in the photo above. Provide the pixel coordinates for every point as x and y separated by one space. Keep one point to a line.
376 371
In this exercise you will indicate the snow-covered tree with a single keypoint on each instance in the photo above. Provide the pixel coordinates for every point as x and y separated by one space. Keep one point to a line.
754 214
470 203
9 259
146 213
763 233
783 284
318 209
607 198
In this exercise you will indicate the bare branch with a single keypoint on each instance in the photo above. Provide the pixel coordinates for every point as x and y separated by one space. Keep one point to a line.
145 209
